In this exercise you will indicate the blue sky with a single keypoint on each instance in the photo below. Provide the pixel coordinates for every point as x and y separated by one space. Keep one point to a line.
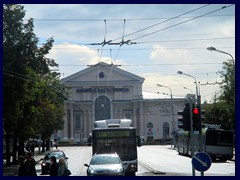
166 38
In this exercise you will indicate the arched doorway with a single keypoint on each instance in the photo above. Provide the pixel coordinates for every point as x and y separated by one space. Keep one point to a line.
165 130
102 108
150 133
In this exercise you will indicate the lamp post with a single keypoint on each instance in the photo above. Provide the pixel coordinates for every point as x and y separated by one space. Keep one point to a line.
200 132
217 50
173 122
180 72
233 61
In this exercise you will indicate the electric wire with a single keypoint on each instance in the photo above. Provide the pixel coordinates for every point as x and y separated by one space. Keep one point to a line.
164 21
116 56
129 19
181 22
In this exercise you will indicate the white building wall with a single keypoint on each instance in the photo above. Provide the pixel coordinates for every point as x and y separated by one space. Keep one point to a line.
142 111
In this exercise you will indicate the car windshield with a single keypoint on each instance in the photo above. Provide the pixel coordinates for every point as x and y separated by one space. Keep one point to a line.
99 160
58 155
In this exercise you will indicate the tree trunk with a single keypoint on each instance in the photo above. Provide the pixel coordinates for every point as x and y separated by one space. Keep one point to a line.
8 156
14 151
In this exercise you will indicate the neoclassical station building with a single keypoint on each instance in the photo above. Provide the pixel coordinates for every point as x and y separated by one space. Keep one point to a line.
104 91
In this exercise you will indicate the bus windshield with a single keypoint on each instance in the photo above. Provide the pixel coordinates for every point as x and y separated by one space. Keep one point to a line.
124 147
121 142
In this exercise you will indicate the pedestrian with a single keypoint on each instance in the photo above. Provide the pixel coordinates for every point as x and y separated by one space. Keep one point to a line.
32 149
53 166
56 145
62 167
22 167
30 165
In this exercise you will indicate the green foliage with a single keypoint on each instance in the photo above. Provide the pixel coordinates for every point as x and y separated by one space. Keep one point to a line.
222 111
33 95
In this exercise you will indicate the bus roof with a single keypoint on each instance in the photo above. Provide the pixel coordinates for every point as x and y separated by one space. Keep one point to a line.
113 123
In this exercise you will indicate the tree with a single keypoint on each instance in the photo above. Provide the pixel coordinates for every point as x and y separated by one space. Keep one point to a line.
222 111
228 92
28 81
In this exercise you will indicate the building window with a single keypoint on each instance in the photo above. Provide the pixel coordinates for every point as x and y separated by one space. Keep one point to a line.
150 133
165 130
102 108
78 119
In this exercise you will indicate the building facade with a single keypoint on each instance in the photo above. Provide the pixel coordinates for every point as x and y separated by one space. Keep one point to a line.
104 91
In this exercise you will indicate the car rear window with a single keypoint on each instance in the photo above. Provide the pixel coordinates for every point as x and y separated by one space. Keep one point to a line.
97 160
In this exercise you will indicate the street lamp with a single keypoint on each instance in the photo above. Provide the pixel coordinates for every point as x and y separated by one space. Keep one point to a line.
180 72
199 105
173 122
217 50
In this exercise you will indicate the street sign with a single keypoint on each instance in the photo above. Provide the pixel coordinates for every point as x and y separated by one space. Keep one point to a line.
201 161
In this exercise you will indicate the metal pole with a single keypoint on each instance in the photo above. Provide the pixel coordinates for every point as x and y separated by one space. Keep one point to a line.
172 108
191 134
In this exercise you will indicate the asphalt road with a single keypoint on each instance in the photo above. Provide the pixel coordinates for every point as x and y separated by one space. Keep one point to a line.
153 160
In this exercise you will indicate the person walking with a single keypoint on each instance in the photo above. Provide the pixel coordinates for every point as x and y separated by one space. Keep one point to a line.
22 167
30 165
53 166
32 149
62 167
56 145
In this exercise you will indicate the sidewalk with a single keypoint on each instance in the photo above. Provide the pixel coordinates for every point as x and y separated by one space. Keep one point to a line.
13 169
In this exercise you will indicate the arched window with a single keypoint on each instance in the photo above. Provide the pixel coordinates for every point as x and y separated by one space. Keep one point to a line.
102 108
165 130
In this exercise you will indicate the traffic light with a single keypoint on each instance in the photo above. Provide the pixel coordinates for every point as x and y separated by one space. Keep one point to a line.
187 117
184 121
181 119
196 118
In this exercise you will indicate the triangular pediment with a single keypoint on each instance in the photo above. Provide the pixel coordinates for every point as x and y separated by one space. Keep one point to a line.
102 73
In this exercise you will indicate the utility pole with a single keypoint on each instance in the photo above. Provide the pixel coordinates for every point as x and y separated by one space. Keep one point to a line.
191 133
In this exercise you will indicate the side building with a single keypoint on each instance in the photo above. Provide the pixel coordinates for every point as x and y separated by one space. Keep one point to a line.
104 91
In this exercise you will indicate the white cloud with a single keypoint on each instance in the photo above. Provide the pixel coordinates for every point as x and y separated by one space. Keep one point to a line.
167 56
73 55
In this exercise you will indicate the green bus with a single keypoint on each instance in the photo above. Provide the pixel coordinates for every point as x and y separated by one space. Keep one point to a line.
117 136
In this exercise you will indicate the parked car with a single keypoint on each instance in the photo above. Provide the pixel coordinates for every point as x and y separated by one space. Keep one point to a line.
105 165
46 160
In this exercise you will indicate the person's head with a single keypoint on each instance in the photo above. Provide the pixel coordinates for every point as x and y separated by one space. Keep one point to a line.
61 160
53 159
21 159
29 155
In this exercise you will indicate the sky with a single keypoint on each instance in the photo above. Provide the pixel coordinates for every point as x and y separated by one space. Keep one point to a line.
160 40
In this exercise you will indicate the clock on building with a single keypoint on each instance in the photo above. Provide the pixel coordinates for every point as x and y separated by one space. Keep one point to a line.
101 75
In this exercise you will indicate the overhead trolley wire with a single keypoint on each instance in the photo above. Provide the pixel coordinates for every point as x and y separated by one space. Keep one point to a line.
129 19
223 7
164 21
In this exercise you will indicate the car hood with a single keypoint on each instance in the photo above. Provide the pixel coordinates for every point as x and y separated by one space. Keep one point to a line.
48 161
103 167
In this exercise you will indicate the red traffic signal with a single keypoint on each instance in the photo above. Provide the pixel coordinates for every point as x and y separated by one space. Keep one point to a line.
195 111
196 119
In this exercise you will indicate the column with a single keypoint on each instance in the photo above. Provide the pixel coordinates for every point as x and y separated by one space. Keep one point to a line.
66 118
71 125
141 120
